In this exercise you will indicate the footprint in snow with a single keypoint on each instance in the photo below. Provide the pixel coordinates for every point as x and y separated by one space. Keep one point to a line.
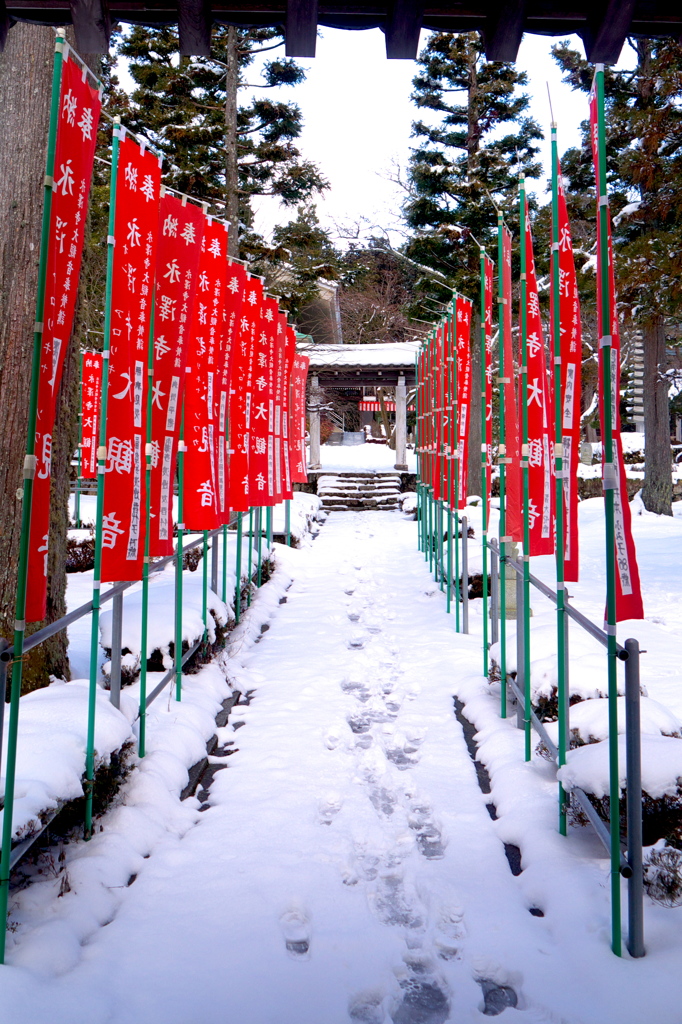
499 986
393 904
423 1002
449 934
329 807
384 800
296 930
366 1008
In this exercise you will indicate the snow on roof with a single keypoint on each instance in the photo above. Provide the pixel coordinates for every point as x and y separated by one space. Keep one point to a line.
394 353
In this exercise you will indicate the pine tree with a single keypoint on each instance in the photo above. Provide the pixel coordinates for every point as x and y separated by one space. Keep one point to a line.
644 156
478 139
218 150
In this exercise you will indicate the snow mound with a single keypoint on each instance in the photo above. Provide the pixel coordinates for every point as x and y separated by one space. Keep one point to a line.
589 720
587 767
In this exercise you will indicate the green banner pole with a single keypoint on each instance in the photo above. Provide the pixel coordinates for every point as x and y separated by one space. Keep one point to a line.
501 463
238 570
525 470
101 466
204 583
179 557
144 623
455 424
248 594
484 469
224 581
77 499
27 499
448 438
287 521
441 370
259 544
607 442
561 617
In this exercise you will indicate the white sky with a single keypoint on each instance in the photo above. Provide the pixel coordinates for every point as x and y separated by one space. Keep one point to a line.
357 112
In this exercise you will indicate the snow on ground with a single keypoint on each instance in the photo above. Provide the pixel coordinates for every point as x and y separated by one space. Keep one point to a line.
363 458
346 868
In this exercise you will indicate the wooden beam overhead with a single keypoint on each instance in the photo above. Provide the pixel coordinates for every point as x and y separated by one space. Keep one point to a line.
402 29
194 28
91 25
607 30
301 28
504 30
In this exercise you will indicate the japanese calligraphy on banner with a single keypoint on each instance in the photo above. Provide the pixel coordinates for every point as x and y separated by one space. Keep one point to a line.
289 353
136 233
514 520
571 388
91 398
629 603
463 356
297 418
205 364
234 294
243 413
177 268
79 112
262 427
487 396
540 454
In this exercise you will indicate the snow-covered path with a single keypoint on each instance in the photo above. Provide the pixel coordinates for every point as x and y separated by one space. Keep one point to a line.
347 868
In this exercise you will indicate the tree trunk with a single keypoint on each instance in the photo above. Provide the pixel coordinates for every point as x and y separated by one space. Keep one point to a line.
231 172
658 486
25 88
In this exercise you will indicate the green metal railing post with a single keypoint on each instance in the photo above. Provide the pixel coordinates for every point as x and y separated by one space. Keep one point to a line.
224 580
607 442
238 569
502 604
77 498
525 469
561 617
144 623
287 521
248 595
27 499
204 582
484 466
177 653
259 544
101 466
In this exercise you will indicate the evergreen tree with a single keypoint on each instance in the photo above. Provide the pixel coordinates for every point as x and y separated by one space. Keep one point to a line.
644 158
477 140
217 149
377 290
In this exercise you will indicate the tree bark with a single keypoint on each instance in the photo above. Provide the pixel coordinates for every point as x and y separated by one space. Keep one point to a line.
231 170
25 88
657 493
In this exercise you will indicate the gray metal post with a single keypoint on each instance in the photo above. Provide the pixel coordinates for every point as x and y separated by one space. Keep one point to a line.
314 419
401 426
116 635
4 662
633 761
494 592
214 562
465 574
520 638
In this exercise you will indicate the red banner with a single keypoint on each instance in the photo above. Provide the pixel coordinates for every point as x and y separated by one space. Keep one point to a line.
297 419
280 344
289 348
242 412
262 426
91 398
487 398
571 388
463 338
177 267
201 504
629 603
234 294
136 232
79 110
514 520
540 451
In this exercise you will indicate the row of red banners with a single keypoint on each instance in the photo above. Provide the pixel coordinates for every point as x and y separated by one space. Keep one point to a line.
444 403
222 382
